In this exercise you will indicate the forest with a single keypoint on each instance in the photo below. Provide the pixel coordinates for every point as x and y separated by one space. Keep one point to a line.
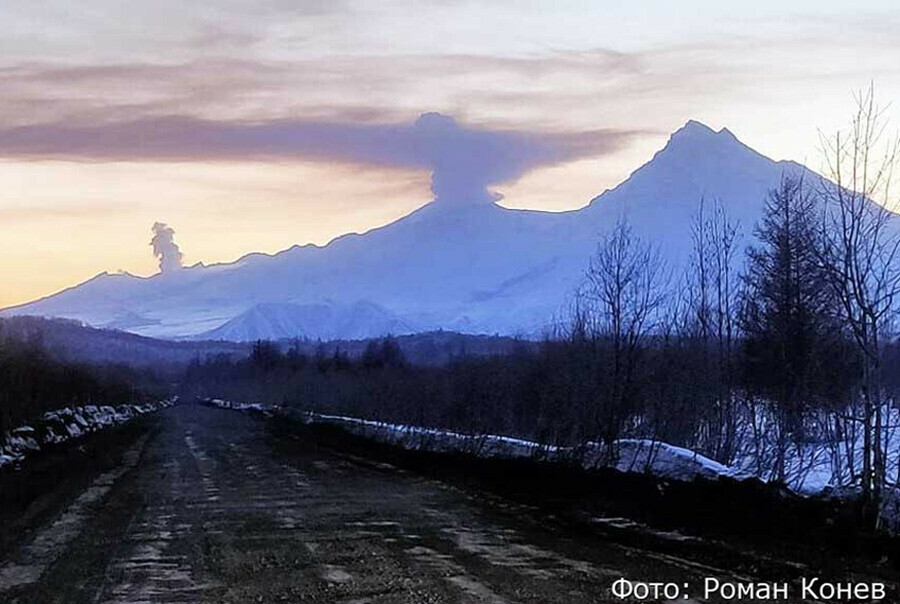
35 379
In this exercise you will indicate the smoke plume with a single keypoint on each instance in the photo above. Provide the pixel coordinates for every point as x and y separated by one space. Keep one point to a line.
464 161
165 248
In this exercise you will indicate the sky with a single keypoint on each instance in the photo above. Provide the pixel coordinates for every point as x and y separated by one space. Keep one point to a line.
253 126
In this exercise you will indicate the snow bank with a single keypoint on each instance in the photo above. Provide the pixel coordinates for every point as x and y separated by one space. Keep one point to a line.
253 407
59 426
634 455
431 439
810 473
662 459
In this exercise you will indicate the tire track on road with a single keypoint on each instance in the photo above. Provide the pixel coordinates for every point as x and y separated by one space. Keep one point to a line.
31 561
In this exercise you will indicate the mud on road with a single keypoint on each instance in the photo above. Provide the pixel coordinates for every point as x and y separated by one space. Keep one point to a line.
204 505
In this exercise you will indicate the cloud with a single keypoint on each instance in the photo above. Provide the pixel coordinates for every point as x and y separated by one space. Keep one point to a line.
338 61
237 90
464 161
658 87
372 88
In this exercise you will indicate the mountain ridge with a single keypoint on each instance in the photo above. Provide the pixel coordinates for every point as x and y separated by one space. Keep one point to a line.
475 268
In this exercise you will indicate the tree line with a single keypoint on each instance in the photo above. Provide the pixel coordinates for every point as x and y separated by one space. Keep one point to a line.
33 381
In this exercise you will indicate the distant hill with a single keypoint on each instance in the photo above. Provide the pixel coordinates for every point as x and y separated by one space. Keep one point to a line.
73 341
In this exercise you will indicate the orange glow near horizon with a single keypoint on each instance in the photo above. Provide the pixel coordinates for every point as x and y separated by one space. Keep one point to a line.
63 222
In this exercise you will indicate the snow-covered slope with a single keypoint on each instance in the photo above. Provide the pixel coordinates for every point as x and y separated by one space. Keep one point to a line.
476 268
661 197
276 321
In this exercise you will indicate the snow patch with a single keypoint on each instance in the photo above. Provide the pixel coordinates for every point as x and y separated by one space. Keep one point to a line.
66 424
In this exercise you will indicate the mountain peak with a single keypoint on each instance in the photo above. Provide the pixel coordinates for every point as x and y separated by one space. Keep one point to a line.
694 128
698 131
697 161
696 137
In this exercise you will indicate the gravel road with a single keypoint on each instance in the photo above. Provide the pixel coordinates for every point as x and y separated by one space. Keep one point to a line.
205 505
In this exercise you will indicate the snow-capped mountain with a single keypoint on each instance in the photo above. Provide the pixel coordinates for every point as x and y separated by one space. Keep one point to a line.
477 268
278 320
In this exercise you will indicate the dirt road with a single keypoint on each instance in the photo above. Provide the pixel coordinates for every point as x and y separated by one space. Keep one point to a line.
207 506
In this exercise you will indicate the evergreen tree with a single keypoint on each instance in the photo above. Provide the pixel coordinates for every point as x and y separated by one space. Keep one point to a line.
787 311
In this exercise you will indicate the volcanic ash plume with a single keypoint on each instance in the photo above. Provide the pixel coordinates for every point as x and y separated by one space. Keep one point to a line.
165 249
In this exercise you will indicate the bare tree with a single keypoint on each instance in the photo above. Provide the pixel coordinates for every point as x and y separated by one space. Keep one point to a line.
625 288
861 242
711 288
